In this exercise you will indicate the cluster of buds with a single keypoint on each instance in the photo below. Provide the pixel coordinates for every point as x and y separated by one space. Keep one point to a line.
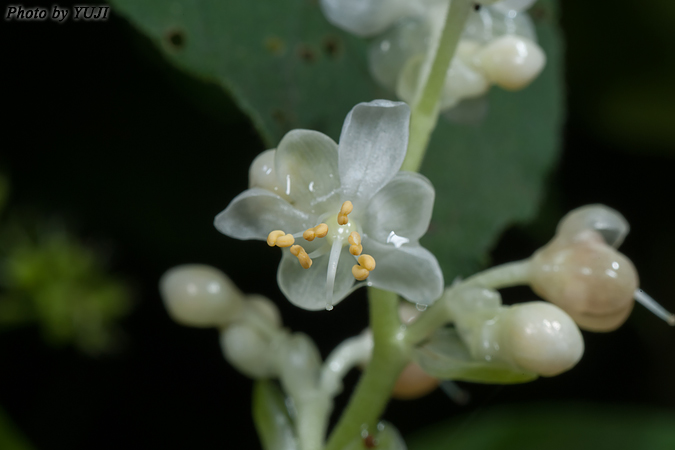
498 45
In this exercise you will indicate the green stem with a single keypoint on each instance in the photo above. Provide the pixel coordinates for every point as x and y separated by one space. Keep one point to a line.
390 356
425 111
516 273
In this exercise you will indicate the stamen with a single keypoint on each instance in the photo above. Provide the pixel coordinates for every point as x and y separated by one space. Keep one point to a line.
280 239
346 208
359 272
362 270
645 300
273 236
355 240
318 231
367 261
285 241
303 257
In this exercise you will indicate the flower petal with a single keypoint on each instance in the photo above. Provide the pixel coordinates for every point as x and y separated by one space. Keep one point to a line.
306 288
411 271
373 143
400 211
306 163
365 17
256 212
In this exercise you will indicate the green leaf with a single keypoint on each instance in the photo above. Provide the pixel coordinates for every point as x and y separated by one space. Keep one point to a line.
446 357
10 437
271 418
553 427
287 67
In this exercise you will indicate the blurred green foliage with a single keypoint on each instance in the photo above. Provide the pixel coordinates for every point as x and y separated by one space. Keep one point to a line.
10 439
287 67
49 278
554 427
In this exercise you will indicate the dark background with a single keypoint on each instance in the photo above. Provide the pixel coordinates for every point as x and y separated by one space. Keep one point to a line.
100 131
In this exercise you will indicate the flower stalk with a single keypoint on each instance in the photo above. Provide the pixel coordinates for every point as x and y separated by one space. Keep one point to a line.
425 110
390 355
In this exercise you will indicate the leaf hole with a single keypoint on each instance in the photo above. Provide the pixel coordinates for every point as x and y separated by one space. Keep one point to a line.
176 39
306 54
332 46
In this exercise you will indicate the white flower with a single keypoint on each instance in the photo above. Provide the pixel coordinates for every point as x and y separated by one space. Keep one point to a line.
309 180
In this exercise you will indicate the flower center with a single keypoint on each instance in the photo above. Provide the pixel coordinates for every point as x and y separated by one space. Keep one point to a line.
339 231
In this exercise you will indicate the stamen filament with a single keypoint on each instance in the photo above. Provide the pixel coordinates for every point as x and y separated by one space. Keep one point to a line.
334 257
648 302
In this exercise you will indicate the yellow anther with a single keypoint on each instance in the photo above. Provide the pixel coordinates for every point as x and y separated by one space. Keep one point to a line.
321 230
346 208
273 236
367 262
303 257
355 240
280 239
318 231
285 241
359 272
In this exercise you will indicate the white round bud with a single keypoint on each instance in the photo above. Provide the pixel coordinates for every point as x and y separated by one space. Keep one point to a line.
365 18
247 351
587 278
609 223
264 308
540 337
511 62
199 295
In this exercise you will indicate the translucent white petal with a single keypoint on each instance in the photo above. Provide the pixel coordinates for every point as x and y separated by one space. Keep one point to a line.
388 53
306 164
410 270
491 22
365 17
256 212
373 144
401 209
306 288
262 174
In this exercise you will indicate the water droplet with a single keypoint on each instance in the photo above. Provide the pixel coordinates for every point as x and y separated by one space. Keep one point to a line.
420 307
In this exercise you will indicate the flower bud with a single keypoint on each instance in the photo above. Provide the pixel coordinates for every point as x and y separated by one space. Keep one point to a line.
413 382
248 351
263 308
199 295
587 278
539 337
299 362
512 62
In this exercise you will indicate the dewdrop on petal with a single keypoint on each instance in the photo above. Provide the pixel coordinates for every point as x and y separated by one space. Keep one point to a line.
199 295
511 62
